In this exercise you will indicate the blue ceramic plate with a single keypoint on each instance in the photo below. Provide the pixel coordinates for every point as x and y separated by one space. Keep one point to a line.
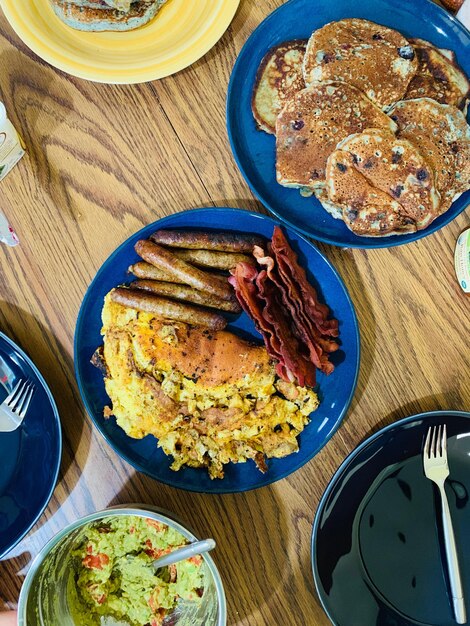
377 546
254 150
335 391
29 456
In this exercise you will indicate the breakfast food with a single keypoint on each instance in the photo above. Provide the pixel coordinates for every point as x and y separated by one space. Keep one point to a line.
209 397
187 294
391 166
197 240
377 60
103 15
171 276
115 577
147 271
279 77
438 77
452 5
366 210
212 258
297 330
312 123
443 136
351 139
141 300
191 275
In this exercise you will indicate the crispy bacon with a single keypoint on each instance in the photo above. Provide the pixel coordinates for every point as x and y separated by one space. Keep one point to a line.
306 327
295 325
288 300
258 298
288 264
293 362
243 279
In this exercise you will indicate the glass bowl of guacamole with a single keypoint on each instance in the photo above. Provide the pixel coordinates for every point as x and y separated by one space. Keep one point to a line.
98 572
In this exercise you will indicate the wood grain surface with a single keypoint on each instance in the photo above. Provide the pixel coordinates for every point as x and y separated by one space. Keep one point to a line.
102 161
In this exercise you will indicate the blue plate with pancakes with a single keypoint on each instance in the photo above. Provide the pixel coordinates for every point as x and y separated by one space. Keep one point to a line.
255 150
377 546
335 391
30 455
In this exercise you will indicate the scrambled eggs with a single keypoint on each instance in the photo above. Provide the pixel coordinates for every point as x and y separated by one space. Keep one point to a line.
208 397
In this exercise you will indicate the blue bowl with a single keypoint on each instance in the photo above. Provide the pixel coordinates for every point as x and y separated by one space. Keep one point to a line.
335 391
30 456
254 150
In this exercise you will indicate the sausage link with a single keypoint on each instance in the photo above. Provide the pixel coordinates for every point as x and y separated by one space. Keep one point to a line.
214 259
184 293
193 276
168 309
224 242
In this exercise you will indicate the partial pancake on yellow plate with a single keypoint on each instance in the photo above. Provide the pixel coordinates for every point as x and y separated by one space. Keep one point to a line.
180 34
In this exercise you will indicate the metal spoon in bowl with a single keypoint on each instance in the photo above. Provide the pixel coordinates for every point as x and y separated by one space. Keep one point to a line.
186 552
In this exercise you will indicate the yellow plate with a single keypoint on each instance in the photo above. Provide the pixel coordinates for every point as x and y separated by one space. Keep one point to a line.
182 32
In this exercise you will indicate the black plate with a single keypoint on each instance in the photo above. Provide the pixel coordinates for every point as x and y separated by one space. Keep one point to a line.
377 546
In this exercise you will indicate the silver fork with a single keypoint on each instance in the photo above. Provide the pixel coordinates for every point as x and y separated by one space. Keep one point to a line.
436 469
13 409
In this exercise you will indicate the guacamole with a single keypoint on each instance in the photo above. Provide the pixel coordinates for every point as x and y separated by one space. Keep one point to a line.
115 577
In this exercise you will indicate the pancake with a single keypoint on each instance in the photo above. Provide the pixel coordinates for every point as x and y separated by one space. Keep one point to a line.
438 77
312 123
365 210
279 77
449 54
443 136
103 17
384 181
377 60
120 5
321 194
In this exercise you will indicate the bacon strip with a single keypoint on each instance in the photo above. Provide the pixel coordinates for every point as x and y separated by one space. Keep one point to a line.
287 262
258 298
315 351
243 279
287 344
285 308
309 325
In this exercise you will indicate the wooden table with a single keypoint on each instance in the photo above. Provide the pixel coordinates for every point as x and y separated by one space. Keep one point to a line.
102 162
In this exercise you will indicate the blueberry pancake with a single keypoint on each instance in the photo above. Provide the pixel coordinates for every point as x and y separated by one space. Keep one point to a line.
443 136
438 76
312 123
279 77
366 210
377 60
375 166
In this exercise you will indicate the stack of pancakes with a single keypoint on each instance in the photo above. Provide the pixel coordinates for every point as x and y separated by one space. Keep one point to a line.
369 122
101 15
